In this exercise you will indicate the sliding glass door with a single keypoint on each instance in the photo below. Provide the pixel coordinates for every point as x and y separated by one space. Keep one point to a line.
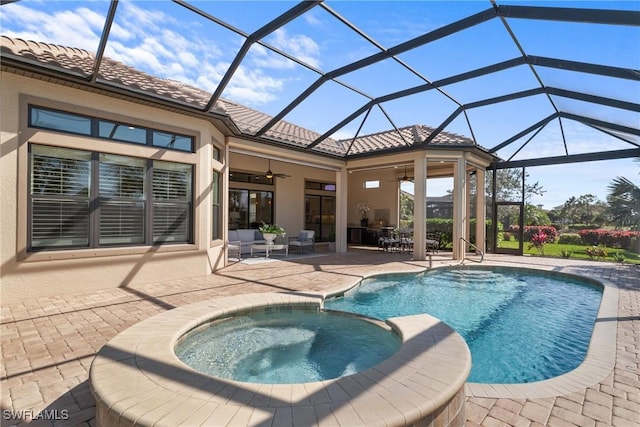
249 208
320 213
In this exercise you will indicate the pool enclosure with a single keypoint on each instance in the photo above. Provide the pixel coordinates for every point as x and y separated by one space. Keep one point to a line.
223 114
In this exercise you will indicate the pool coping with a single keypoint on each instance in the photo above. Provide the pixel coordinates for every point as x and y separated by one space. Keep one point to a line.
597 365
137 379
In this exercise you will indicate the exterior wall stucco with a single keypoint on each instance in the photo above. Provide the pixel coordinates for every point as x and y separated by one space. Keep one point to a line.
29 275
384 197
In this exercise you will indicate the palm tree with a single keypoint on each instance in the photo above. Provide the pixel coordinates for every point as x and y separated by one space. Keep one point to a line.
624 200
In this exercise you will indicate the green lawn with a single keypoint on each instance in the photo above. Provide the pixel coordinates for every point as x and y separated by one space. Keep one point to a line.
578 251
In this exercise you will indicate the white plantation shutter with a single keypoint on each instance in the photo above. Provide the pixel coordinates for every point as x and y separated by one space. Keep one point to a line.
171 202
124 201
59 197
122 204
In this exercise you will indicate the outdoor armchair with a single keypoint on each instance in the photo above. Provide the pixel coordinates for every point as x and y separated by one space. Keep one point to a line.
304 239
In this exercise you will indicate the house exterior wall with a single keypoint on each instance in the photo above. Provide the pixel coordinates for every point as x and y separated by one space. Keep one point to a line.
382 200
54 272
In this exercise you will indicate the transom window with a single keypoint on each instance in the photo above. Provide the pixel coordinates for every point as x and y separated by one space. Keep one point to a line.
62 121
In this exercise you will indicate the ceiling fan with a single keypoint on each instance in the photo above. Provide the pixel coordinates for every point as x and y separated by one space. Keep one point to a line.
405 177
269 174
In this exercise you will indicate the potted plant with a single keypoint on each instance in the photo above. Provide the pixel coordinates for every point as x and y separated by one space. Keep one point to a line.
271 231
363 208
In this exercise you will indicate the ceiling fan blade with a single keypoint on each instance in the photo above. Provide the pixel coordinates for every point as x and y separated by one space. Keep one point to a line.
270 175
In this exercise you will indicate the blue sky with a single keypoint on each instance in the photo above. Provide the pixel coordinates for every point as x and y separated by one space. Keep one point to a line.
166 40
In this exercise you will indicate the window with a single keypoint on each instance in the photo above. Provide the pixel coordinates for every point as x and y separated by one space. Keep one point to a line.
60 121
171 141
122 200
216 208
59 197
44 118
171 202
249 208
80 199
322 186
121 132
216 153
372 184
235 176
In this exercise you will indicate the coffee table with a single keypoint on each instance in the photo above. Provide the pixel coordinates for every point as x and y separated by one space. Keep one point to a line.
269 248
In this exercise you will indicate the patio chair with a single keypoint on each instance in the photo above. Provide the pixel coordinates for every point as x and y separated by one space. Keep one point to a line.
234 249
305 238
433 242
387 240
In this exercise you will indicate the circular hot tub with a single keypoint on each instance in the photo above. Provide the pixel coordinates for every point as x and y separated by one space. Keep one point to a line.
287 346
138 379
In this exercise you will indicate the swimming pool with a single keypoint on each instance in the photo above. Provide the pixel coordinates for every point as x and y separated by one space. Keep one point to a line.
521 325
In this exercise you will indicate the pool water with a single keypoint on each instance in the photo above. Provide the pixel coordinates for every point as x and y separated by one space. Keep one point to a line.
521 326
285 347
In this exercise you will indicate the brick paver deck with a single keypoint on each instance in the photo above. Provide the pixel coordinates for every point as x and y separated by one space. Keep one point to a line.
48 344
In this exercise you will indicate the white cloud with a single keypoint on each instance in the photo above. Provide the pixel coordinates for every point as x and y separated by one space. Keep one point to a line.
149 37
300 46
80 28
253 87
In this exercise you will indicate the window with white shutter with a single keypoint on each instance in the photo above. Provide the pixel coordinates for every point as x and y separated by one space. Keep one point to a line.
59 197
172 196
122 200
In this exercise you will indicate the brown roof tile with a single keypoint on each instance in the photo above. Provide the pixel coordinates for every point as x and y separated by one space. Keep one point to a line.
247 120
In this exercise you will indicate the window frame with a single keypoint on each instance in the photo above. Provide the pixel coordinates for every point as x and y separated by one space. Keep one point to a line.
95 132
95 198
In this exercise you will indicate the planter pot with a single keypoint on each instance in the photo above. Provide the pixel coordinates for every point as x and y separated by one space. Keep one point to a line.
364 222
269 237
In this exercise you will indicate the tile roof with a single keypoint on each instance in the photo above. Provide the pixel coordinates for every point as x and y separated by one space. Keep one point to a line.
81 62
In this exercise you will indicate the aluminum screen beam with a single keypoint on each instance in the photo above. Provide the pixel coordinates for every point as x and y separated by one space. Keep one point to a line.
267 29
572 158
103 40
437 34
588 16
584 67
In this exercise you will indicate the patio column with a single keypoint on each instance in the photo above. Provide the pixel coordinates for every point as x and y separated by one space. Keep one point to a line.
342 177
420 208
481 211
459 208
467 230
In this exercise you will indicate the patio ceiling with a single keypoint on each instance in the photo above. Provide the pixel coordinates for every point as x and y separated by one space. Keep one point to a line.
532 85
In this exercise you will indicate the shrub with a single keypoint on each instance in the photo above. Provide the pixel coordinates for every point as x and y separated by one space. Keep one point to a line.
596 252
538 241
531 230
570 239
566 253
618 257
609 238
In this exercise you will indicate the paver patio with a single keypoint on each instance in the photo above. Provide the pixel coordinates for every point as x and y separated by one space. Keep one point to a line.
48 344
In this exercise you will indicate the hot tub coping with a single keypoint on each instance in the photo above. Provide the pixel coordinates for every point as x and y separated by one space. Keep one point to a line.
137 379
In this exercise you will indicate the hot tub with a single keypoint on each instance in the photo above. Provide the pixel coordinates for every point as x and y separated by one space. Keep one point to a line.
137 378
